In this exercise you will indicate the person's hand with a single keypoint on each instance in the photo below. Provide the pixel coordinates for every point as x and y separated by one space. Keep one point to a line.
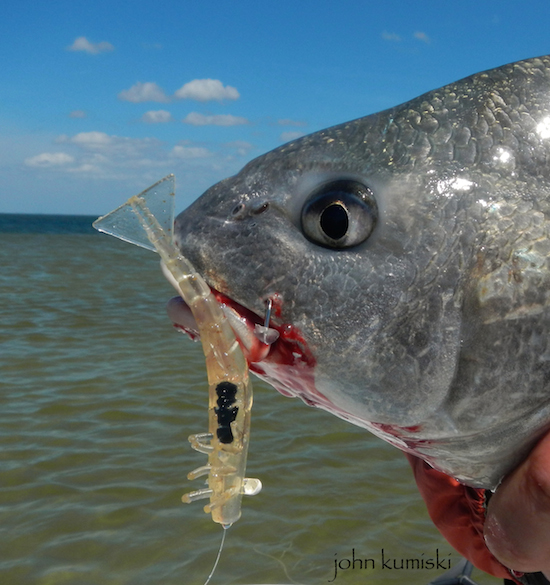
517 527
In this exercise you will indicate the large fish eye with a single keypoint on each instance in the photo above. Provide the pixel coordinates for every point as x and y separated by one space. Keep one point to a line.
340 214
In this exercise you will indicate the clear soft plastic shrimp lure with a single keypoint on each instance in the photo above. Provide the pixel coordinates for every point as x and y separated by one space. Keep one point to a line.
146 220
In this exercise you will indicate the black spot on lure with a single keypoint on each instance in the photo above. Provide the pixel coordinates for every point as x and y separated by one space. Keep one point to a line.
225 411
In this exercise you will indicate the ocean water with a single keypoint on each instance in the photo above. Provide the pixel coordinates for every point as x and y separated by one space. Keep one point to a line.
98 394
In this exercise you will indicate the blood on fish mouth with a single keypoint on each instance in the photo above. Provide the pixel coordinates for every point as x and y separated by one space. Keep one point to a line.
287 363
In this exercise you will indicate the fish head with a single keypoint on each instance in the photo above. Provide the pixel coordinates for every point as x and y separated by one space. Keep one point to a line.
364 290
387 246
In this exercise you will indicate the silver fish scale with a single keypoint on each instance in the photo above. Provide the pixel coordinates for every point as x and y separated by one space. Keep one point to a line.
434 332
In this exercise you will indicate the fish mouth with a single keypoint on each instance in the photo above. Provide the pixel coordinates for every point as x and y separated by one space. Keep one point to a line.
257 338
275 351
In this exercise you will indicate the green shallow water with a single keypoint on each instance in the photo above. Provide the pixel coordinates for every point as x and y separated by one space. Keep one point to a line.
98 394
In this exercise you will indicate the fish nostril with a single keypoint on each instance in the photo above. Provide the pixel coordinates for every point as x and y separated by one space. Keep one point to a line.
260 208
241 210
238 211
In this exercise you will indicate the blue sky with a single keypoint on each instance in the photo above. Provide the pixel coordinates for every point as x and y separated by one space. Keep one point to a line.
100 99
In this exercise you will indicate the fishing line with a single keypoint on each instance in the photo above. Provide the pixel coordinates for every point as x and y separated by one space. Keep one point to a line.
218 557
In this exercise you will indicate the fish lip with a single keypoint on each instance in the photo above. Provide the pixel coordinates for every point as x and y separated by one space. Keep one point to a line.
290 348
243 322
253 348
241 319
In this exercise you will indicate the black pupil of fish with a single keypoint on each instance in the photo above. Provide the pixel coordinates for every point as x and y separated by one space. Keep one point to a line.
225 412
334 221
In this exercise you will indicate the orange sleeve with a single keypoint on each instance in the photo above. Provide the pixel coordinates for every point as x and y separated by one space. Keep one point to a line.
458 511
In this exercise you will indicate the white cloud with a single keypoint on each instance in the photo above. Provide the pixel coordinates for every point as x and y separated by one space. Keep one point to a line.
289 122
187 152
143 92
99 153
391 37
111 150
93 156
78 114
156 117
288 136
93 140
83 44
204 90
86 169
422 36
49 159
196 119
